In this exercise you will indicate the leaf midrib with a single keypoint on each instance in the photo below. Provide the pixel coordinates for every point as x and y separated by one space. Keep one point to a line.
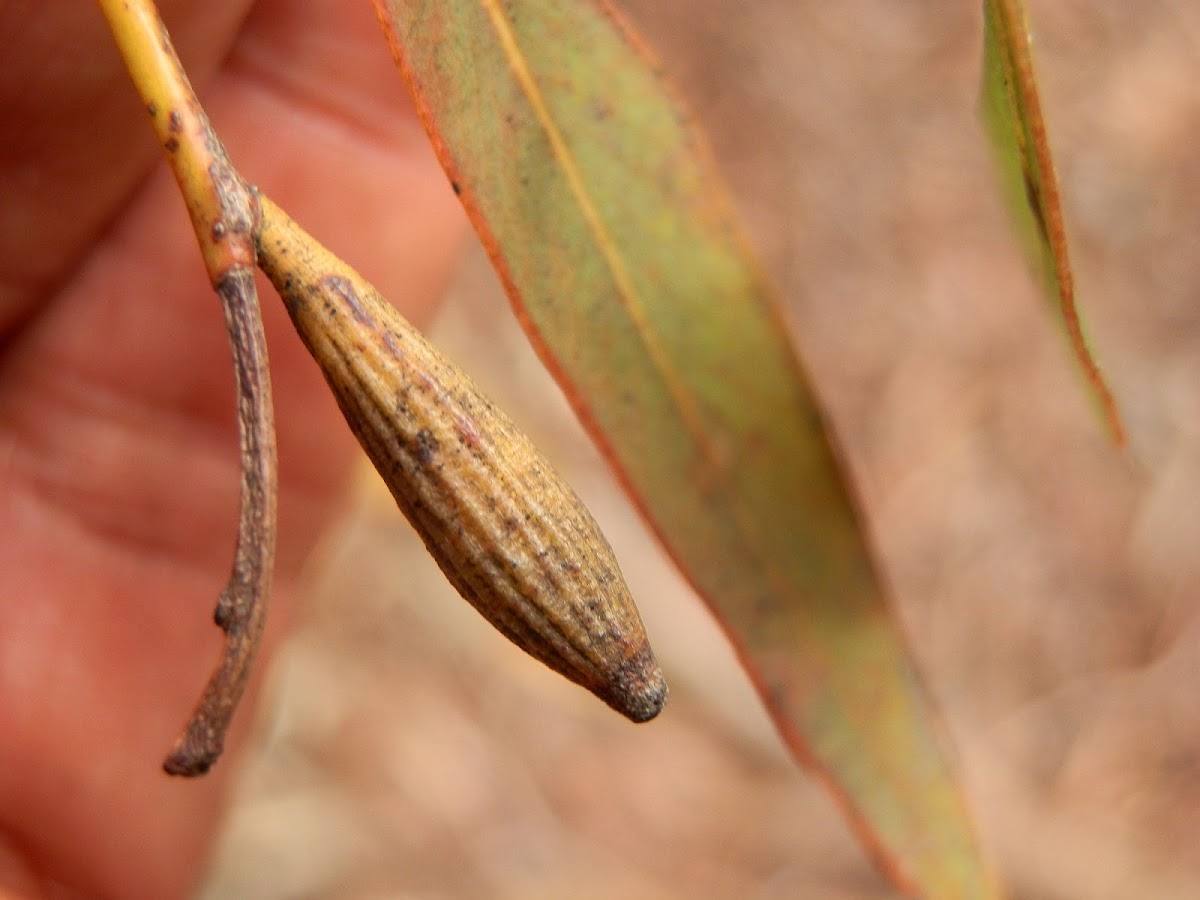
628 296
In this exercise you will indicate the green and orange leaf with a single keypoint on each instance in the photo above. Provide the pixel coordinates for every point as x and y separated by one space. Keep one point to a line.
616 242
1012 115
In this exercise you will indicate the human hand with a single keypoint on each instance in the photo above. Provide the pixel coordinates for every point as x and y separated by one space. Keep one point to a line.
119 468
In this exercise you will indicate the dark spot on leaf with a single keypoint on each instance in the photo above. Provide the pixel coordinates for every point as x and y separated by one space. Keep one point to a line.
777 693
457 188
175 121
171 145
1033 198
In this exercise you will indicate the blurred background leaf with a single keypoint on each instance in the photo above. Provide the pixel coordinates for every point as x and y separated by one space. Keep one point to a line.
1012 114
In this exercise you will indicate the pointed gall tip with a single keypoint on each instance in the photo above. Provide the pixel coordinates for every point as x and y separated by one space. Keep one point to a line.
638 689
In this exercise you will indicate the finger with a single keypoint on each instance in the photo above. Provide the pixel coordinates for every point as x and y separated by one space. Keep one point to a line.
72 141
119 407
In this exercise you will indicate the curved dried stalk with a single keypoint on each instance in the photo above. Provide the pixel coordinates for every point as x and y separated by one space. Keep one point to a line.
224 213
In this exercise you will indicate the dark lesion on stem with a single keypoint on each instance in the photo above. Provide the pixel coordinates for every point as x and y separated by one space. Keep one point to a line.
242 609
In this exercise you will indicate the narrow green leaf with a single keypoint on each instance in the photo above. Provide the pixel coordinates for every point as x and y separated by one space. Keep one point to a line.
601 212
1012 115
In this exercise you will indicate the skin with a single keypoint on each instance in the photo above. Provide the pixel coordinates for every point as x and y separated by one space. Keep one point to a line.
118 445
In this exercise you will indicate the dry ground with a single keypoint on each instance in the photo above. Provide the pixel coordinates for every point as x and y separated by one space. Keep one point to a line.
1048 584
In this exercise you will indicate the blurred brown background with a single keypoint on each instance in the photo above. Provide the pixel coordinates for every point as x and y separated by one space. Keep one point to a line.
1049 584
